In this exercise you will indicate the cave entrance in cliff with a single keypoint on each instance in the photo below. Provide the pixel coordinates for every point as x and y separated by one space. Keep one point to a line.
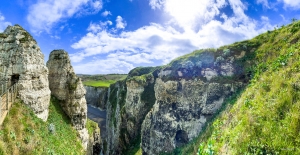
14 79
181 138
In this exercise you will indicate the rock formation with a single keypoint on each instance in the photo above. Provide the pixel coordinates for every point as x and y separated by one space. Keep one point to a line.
96 96
22 61
68 88
94 145
166 107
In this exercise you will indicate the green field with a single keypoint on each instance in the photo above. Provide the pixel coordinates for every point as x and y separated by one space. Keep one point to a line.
99 83
101 80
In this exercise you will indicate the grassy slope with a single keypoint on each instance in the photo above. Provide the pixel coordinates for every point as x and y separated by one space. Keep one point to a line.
23 133
101 80
265 117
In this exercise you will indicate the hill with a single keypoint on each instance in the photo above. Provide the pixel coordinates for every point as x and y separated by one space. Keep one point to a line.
241 98
263 118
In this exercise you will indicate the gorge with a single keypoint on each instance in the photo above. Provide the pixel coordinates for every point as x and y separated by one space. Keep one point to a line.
188 106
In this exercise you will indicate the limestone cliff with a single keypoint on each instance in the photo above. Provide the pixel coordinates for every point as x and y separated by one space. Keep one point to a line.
96 96
114 104
94 145
188 94
68 88
162 108
22 61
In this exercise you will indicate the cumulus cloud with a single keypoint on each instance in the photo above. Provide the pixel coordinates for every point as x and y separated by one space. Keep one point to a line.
94 27
3 23
105 13
104 66
45 13
156 4
157 44
291 3
121 24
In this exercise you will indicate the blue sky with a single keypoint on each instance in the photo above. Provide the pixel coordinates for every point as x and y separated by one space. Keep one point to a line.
114 36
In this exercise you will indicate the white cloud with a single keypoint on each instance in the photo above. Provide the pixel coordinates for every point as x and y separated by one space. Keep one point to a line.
121 24
45 13
265 3
3 23
105 13
158 44
93 27
55 37
156 4
291 3
105 66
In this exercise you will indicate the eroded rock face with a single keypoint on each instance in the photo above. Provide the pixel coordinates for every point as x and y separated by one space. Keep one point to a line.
181 110
94 145
68 88
22 61
96 96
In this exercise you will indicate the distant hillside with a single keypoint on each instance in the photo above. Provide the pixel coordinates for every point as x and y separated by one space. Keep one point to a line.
101 80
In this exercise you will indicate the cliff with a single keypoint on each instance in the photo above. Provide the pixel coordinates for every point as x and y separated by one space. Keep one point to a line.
96 96
69 90
162 109
22 61
166 107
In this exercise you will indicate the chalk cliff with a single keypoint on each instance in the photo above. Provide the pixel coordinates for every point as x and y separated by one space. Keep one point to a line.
68 88
22 61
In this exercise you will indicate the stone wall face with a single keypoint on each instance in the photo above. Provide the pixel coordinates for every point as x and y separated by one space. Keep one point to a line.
22 61
69 90
180 112
96 96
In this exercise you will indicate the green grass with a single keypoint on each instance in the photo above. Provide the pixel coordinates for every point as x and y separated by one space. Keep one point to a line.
91 126
265 118
23 133
99 83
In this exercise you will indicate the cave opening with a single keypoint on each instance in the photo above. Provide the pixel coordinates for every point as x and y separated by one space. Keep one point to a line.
14 79
181 138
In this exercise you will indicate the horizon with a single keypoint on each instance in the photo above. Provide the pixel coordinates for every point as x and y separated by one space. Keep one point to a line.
113 37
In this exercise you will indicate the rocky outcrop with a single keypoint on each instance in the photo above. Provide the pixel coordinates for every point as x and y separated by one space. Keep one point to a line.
94 145
181 110
116 100
188 94
166 107
68 88
22 61
96 96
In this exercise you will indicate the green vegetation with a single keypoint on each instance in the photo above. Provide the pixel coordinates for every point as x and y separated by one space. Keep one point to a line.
91 126
143 70
23 133
3 35
265 117
101 80
99 83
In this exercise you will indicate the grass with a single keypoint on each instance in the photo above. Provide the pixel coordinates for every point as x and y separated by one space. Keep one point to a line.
99 83
91 126
23 133
265 118
101 80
